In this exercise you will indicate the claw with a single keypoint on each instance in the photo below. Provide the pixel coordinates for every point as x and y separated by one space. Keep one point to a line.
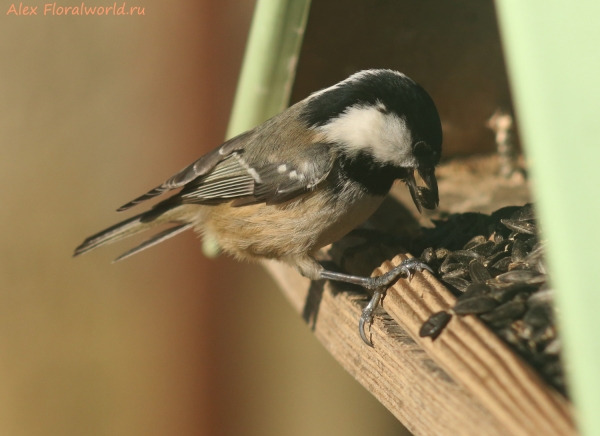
408 267
367 316
365 319
427 268
378 285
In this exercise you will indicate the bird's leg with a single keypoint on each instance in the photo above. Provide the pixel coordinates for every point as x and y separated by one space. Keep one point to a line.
378 285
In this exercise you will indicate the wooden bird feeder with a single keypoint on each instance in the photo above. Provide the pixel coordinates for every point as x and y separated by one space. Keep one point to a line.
468 381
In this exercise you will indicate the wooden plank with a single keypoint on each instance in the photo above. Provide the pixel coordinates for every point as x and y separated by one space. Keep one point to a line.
397 371
478 360
466 382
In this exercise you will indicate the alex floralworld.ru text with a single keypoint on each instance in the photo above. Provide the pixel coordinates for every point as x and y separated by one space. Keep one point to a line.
53 9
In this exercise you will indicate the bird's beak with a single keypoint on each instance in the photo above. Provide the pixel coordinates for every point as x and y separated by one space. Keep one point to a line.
411 183
428 176
423 197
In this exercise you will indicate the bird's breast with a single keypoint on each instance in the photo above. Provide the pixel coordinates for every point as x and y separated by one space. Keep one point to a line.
347 217
297 228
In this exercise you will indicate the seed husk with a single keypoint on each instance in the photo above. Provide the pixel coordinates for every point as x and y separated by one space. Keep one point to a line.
525 213
478 272
484 249
465 256
502 264
520 226
510 310
517 275
543 296
475 305
428 255
461 272
553 348
516 302
475 289
502 294
441 253
475 241
450 266
458 283
498 238
435 325
519 251
495 257
538 316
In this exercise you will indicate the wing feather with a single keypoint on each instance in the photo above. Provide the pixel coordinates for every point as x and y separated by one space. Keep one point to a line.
201 167
250 182
229 173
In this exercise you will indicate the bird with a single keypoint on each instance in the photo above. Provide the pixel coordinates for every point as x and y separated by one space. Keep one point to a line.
304 179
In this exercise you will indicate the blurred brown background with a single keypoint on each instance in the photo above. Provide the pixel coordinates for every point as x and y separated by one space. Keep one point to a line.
93 112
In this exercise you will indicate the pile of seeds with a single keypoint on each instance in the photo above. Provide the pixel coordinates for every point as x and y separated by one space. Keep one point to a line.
494 265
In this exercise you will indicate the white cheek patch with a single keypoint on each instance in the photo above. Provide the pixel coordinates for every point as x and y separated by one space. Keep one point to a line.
365 128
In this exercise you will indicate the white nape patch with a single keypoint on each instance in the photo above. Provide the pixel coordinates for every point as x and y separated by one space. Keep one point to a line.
357 77
365 128
293 175
282 169
374 72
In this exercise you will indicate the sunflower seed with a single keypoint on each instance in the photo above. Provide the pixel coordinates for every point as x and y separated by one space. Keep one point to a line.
475 289
519 251
517 275
520 226
428 255
478 272
435 325
502 264
475 305
538 316
461 272
510 310
475 241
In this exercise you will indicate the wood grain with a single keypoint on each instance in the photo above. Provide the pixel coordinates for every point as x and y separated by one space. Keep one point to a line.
467 382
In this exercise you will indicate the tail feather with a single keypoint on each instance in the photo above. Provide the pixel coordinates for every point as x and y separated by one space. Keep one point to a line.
114 233
159 237
162 213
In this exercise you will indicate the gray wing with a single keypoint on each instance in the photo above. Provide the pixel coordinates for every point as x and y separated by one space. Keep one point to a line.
199 168
258 181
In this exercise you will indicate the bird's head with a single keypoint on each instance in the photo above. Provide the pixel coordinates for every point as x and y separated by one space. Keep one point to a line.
389 118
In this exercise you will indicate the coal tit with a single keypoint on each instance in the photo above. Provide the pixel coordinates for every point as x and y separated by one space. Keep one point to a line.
304 179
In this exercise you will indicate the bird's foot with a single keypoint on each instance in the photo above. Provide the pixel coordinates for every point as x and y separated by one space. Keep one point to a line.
379 285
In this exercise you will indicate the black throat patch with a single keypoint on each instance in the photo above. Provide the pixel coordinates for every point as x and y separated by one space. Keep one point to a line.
372 177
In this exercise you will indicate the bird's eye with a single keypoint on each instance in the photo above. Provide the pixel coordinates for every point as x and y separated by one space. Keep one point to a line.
421 149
